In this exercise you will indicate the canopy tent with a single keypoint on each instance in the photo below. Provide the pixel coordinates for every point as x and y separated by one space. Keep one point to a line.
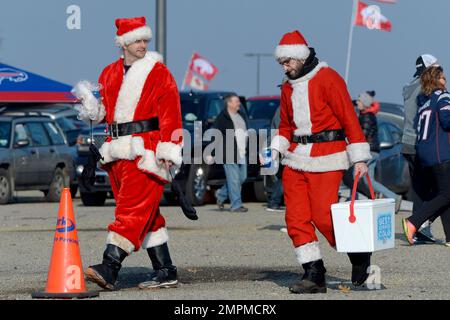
17 85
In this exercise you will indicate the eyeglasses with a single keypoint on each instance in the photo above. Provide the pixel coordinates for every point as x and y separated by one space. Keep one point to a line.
284 61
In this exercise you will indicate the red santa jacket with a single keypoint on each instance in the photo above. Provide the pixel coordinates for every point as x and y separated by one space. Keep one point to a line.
147 90
317 102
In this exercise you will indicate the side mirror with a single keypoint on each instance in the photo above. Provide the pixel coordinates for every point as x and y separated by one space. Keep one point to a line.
386 145
22 143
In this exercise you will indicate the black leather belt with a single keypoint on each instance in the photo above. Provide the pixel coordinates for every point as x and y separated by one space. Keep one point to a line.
324 136
116 130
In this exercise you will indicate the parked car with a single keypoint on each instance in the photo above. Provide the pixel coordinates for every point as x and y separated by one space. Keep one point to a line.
96 194
34 155
196 179
262 107
261 111
63 114
392 168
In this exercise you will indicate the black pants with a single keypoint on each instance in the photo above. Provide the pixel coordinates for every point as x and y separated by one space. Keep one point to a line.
421 181
439 205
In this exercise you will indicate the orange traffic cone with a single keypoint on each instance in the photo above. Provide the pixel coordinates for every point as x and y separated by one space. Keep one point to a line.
65 275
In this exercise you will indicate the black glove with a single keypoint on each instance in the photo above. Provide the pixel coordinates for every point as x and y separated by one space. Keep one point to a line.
88 174
188 210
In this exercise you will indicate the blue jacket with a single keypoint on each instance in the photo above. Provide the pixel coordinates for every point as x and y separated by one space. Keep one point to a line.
433 128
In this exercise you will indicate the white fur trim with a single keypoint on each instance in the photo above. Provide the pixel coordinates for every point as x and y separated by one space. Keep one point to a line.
128 148
142 33
131 88
120 241
310 75
300 160
125 147
300 109
300 101
149 163
358 152
169 151
90 109
156 238
308 252
296 51
280 143
155 55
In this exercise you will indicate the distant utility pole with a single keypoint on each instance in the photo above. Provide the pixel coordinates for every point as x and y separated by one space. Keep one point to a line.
161 28
258 63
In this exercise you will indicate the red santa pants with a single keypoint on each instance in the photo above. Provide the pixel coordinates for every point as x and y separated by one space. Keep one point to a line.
308 197
137 196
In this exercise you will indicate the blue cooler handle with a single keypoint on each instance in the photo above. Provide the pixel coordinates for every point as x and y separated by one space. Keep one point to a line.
352 217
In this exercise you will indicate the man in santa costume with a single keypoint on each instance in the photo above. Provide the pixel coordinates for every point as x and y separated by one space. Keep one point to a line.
320 137
141 106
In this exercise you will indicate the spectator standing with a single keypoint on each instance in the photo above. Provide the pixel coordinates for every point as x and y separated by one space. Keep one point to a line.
234 153
420 178
433 150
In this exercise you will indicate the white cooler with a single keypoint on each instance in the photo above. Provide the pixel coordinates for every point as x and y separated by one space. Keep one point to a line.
372 227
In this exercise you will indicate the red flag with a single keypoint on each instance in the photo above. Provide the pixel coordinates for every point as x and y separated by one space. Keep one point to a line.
195 82
203 67
371 17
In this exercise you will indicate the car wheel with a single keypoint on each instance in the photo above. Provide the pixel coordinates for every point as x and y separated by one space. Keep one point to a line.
5 186
59 180
93 198
196 186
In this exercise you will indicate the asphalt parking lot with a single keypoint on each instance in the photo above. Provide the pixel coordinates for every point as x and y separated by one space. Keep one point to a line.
223 255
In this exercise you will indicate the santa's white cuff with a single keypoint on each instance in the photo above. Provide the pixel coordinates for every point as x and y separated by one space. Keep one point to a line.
358 152
169 151
90 109
280 143
308 252
120 241
155 238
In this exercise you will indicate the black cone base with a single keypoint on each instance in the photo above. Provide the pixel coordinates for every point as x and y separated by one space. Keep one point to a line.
78 295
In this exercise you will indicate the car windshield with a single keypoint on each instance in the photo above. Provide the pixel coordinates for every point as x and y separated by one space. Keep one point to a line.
5 134
66 124
190 109
262 109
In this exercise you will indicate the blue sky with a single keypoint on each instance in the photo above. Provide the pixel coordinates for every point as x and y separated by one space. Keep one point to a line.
34 36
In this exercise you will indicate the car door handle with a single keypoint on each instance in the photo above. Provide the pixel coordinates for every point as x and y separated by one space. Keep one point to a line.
52 150
33 151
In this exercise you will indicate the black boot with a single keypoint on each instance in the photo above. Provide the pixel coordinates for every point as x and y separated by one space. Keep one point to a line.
360 263
105 274
313 281
164 274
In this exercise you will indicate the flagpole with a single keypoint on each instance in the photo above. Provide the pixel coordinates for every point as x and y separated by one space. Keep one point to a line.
350 40
187 71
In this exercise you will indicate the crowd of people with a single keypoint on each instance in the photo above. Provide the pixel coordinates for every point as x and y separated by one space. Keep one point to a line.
320 137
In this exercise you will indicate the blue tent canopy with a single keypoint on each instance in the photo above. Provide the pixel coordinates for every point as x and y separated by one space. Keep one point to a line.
17 85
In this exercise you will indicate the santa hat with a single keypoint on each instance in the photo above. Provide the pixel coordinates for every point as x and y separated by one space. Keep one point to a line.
292 45
130 30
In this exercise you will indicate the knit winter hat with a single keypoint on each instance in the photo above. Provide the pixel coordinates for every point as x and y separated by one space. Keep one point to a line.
292 45
130 30
366 99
